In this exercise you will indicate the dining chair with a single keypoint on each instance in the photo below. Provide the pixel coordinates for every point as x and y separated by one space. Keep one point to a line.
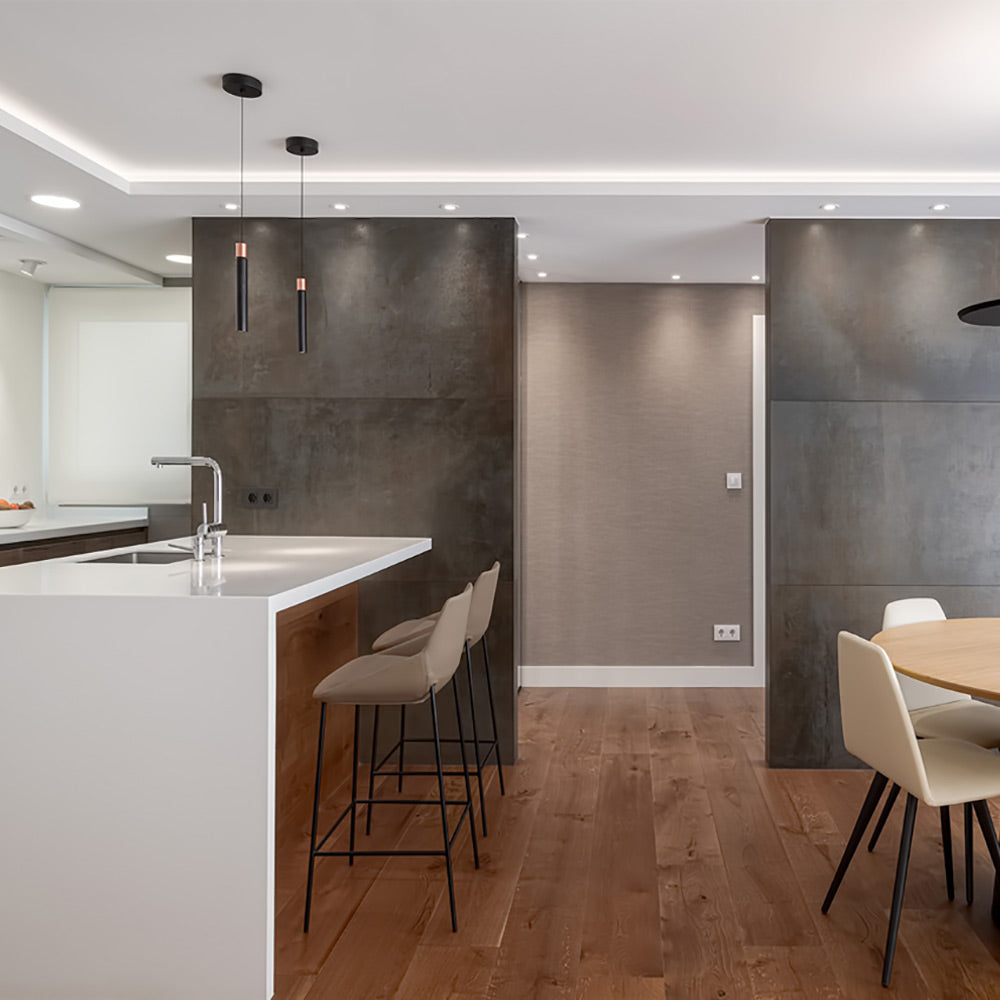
938 712
939 772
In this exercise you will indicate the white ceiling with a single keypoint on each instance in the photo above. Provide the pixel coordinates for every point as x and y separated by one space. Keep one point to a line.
632 140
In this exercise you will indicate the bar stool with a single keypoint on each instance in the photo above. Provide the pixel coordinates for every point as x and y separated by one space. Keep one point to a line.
408 636
382 679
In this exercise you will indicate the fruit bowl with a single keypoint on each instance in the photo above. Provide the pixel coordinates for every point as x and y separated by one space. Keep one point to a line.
15 518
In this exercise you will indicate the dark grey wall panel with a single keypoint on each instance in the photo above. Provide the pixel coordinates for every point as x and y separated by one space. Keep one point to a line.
867 309
882 493
882 448
399 420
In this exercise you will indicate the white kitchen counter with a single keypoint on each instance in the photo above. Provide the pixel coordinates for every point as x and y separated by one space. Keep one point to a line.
64 522
138 713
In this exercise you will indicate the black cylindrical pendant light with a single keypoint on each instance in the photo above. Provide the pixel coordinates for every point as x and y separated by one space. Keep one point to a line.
982 313
242 86
301 146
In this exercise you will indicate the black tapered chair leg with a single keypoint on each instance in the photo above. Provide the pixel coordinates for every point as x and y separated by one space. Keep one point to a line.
315 816
949 870
875 790
465 771
444 809
883 816
905 842
402 746
969 871
475 736
354 780
493 714
371 774
990 836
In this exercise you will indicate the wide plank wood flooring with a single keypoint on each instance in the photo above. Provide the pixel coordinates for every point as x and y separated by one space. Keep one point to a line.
643 851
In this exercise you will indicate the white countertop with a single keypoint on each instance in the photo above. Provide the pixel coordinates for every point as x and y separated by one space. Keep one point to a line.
63 522
285 570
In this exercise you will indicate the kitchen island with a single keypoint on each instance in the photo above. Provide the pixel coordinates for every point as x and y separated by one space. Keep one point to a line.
156 734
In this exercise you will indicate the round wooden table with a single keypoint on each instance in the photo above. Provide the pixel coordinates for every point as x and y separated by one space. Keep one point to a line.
962 654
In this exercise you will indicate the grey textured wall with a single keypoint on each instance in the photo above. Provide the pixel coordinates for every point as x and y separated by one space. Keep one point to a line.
636 402
884 427
399 420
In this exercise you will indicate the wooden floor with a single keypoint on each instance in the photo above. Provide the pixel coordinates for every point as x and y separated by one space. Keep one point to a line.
642 851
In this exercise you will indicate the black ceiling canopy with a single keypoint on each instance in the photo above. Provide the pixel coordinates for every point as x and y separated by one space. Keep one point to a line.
982 313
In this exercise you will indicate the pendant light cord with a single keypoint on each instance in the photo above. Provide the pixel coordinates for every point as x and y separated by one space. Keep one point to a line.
242 239
302 214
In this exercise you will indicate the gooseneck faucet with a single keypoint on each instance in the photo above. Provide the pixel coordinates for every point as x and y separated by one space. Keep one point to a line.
208 530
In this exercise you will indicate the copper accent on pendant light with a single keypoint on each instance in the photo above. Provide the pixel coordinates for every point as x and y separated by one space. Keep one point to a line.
244 87
302 146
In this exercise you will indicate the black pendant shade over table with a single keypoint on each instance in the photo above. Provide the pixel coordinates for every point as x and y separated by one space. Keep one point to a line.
982 313
301 146
242 86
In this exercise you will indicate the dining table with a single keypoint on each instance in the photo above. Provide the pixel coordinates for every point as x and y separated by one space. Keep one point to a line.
961 654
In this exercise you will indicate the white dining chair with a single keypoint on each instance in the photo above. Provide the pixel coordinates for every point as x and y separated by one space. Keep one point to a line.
940 772
938 712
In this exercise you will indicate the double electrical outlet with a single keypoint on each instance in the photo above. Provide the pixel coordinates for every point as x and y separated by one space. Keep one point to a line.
259 496
726 633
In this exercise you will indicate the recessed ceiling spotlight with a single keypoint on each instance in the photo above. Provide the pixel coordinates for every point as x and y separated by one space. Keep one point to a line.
522 236
29 265
830 206
54 201
450 206
940 207
532 256
755 277
543 274
340 206
231 206
179 258
675 277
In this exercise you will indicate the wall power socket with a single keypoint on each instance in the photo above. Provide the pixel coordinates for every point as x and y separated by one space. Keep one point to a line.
726 633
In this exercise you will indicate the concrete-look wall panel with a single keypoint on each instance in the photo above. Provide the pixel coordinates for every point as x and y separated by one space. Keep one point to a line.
398 421
636 402
803 724
881 493
867 309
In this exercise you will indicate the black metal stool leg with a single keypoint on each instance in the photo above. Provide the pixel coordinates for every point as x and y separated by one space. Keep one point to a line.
465 771
371 774
949 871
354 780
883 816
444 809
402 747
905 841
867 808
969 871
475 736
315 816
493 715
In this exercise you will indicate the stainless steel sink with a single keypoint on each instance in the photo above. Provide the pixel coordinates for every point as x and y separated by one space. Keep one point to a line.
136 558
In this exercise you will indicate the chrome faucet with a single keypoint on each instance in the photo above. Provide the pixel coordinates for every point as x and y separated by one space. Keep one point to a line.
208 531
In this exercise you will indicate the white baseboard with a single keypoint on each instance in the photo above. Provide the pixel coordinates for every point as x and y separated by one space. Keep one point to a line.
641 677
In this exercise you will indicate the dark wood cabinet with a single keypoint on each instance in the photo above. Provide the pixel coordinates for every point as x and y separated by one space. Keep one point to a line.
71 545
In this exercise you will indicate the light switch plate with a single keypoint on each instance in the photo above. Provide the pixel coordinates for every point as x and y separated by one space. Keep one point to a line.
734 480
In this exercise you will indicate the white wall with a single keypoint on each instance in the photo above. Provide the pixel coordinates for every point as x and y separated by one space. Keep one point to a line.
119 392
22 308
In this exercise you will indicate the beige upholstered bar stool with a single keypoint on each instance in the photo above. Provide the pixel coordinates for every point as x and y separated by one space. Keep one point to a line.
939 713
408 636
383 679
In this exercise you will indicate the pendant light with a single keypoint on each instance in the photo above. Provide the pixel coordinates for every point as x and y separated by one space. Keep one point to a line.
242 86
981 313
301 146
